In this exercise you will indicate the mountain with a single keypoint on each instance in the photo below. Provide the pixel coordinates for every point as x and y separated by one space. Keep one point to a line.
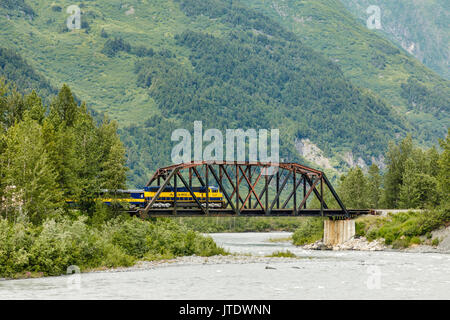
159 65
368 58
420 27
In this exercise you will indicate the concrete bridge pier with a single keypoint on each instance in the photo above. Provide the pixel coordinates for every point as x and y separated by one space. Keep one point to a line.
338 231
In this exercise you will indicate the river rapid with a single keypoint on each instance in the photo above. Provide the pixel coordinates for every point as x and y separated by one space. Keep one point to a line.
251 275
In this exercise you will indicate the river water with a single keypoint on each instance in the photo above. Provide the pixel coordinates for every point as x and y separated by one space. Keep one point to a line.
314 275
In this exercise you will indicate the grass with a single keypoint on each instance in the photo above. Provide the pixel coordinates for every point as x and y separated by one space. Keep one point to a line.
282 254
281 239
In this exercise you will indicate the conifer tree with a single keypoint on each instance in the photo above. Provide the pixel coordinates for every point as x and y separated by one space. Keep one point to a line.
353 189
64 108
374 186
393 179
29 177
444 171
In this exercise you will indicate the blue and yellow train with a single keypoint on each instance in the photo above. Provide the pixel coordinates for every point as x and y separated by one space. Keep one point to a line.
135 199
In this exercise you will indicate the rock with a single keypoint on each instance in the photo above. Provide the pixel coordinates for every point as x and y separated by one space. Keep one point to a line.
361 244
271 268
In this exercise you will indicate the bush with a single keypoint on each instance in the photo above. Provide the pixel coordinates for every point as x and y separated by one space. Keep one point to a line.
309 232
283 254
400 243
58 243
405 225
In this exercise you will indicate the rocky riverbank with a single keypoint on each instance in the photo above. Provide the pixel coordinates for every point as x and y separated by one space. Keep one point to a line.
360 244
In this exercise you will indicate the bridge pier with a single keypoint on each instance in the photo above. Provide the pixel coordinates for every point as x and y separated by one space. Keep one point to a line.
338 231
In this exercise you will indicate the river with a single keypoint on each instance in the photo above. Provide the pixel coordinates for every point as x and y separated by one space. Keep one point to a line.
313 275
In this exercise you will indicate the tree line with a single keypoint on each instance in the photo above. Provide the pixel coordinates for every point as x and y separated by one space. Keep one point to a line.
49 154
414 178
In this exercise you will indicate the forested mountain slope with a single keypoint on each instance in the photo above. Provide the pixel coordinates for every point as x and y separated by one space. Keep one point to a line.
368 58
421 27
14 69
159 65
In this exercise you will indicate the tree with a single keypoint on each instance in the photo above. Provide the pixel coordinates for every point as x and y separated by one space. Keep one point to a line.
64 108
393 179
407 197
353 189
374 186
444 171
113 164
30 179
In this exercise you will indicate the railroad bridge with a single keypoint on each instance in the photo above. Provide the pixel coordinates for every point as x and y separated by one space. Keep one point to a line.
253 189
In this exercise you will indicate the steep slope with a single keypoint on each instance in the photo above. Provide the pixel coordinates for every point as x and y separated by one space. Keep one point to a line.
420 27
368 59
14 69
158 65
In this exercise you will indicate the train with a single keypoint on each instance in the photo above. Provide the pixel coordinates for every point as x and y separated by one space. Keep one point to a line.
139 198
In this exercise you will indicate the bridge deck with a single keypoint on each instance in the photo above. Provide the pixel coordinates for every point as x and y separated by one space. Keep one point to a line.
195 212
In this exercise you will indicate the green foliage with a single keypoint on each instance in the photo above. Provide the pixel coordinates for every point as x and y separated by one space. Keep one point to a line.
282 254
15 6
425 40
412 176
16 70
257 69
58 244
28 179
45 159
374 181
420 98
113 46
241 224
309 232
404 228
353 189
444 170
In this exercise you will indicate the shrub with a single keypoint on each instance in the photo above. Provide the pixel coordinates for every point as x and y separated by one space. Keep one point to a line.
400 243
58 243
282 254
309 232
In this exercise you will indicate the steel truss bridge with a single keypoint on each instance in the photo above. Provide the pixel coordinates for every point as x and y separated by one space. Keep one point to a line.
248 190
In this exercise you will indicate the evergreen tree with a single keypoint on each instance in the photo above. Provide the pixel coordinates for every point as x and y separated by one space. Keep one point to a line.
64 108
113 164
30 179
393 179
407 197
374 186
88 154
36 109
353 189
444 171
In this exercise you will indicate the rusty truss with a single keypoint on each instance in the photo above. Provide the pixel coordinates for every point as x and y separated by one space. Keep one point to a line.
247 190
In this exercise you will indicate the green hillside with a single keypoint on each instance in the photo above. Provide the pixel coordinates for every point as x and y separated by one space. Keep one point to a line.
420 27
159 65
14 69
367 58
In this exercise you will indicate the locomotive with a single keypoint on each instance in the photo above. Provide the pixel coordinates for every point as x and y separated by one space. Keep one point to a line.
139 198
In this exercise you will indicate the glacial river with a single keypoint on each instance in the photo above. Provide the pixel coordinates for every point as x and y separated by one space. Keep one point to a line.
314 275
